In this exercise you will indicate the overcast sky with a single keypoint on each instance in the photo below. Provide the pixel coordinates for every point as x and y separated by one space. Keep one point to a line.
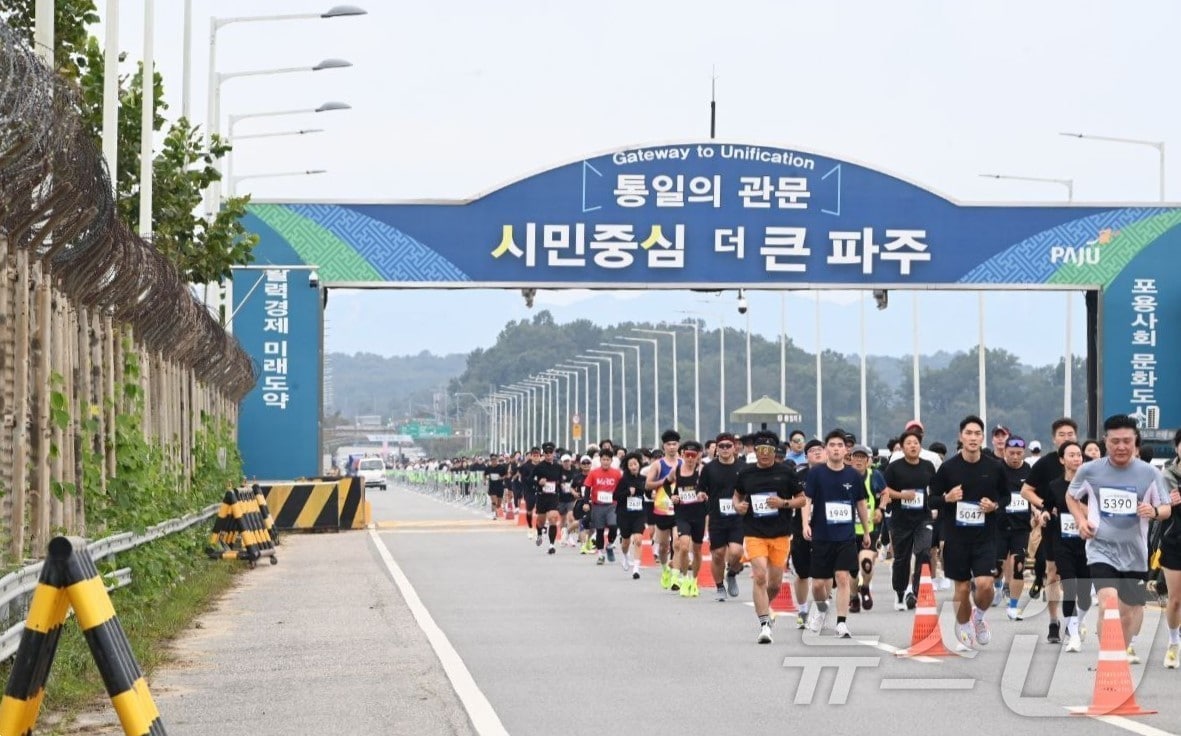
458 97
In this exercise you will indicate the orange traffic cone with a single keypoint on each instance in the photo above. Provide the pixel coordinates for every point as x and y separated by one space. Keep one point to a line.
521 514
1114 693
784 602
705 574
647 559
926 638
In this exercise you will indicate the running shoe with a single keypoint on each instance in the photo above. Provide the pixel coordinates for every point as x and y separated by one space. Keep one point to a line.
666 578
911 601
600 559
898 604
816 625
537 540
675 586
636 571
694 592
1055 635
843 631
1073 644
983 634
720 595
866 598
1133 658
610 554
1013 614
732 584
1035 590
686 588
625 563
764 634
1171 656
854 603
997 595
801 621
552 551
963 633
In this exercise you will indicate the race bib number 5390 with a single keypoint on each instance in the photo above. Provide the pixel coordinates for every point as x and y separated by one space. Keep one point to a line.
1117 502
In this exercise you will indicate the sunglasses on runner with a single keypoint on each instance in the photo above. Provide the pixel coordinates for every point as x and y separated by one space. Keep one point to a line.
1015 443
725 445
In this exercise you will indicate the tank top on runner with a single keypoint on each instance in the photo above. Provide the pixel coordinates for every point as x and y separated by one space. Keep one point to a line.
687 488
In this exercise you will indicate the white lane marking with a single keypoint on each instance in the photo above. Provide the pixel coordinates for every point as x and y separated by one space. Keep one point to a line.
1128 725
479 710
925 683
895 650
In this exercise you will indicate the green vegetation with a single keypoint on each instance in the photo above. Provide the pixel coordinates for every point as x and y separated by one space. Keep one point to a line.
172 584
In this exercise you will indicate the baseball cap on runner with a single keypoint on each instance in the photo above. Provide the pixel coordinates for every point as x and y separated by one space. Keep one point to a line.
566 458
1000 429
726 437
861 450
812 443
914 424
765 438
548 447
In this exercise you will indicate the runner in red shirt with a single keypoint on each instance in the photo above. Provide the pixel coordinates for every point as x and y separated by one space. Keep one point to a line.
601 484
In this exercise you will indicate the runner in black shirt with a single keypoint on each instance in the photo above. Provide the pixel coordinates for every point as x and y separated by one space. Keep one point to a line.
1036 490
1070 551
718 480
907 481
764 495
968 490
496 473
548 477
1013 527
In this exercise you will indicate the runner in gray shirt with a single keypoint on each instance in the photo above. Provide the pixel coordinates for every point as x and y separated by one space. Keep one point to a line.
1122 494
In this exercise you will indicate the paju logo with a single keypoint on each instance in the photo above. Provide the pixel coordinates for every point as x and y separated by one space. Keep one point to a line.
1083 255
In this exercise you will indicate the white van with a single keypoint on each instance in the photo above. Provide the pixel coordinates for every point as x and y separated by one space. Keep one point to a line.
372 471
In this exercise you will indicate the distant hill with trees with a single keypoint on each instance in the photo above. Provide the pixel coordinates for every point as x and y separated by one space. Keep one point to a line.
1023 397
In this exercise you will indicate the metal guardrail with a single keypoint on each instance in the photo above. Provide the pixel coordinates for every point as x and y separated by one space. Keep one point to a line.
458 489
16 588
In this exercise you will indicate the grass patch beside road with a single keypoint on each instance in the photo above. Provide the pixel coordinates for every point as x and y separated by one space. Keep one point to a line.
172 584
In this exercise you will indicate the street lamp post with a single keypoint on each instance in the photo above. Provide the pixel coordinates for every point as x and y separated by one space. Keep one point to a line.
655 381
1067 378
216 79
568 375
275 175
213 121
676 401
591 361
696 376
1158 145
585 395
542 408
639 393
235 119
611 388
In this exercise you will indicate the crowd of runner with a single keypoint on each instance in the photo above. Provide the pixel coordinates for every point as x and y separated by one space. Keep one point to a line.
829 509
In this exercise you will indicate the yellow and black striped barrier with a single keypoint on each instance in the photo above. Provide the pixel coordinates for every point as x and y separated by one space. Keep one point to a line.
69 578
321 505
240 531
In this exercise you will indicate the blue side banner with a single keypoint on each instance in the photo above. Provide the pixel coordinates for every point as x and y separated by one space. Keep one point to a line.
278 321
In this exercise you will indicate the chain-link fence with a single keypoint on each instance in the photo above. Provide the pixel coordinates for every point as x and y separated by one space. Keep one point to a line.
78 290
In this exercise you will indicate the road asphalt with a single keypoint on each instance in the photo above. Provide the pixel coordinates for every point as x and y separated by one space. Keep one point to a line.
525 643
